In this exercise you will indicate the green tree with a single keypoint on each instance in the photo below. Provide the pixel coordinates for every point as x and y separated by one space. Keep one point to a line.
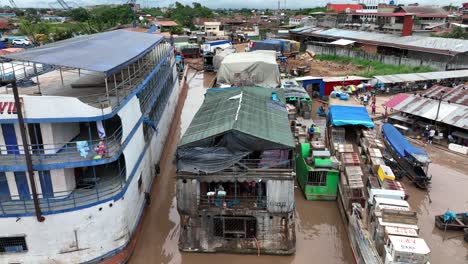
106 17
31 11
61 34
79 14
308 11
32 30
184 14
153 11
457 33
450 8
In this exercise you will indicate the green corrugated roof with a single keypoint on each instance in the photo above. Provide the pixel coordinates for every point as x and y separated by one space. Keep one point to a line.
258 115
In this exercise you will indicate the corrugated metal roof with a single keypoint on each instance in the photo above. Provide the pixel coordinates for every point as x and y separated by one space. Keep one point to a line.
333 79
256 115
300 29
442 45
396 100
425 76
424 10
105 52
342 42
345 78
458 95
451 114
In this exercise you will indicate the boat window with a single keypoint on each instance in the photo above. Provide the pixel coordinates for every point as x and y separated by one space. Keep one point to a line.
235 226
317 178
13 244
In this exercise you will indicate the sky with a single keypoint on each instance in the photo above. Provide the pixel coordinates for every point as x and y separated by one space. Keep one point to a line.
271 4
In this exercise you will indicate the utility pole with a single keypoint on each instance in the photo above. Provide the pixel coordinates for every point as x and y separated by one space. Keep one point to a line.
132 5
26 149
13 4
438 107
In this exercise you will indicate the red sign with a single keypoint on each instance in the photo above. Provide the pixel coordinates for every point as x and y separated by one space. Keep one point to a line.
7 108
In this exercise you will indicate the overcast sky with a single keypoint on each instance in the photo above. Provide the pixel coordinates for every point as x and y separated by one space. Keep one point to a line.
272 4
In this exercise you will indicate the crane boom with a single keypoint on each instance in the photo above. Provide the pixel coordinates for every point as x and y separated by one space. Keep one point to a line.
13 4
64 4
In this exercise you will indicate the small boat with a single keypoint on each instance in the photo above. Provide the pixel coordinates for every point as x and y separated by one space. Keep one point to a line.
451 221
412 160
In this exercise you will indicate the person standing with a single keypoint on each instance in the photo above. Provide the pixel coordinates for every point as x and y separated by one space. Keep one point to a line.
431 135
365 98
426 134
373 108
311 132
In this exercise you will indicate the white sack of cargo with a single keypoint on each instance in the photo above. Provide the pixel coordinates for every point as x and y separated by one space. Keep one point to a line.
257 68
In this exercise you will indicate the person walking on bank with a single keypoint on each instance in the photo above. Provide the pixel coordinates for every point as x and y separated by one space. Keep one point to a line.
373 108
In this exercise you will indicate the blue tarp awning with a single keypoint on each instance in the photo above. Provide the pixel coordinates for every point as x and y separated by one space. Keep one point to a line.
218 42
341 115
105 52
399 142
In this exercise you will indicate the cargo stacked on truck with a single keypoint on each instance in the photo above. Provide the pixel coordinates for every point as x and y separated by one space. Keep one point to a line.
96 116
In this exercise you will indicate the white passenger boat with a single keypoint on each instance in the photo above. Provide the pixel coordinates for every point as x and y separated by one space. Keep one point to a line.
96 126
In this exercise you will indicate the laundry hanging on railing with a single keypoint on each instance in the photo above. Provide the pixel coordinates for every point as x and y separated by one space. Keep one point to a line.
83 148
150 123
100 129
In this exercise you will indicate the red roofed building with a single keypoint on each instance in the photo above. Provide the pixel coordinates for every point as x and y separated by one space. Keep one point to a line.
166 23
465 13
343 7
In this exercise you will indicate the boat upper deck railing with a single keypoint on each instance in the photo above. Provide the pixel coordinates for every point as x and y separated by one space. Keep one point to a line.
249 168
73 151
89 191
92 88
233 202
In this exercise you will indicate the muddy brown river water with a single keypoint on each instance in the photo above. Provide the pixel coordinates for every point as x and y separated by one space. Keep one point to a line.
321 234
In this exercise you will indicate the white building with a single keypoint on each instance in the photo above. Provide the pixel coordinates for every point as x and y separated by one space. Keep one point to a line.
214 29
296 20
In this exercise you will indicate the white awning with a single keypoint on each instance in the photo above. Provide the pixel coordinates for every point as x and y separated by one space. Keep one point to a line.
342 42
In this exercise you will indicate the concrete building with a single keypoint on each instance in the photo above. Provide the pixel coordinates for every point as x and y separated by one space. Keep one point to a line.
166 25
213 29
296 20
55 18
391 19
464 10
343 7
235 179
437 53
